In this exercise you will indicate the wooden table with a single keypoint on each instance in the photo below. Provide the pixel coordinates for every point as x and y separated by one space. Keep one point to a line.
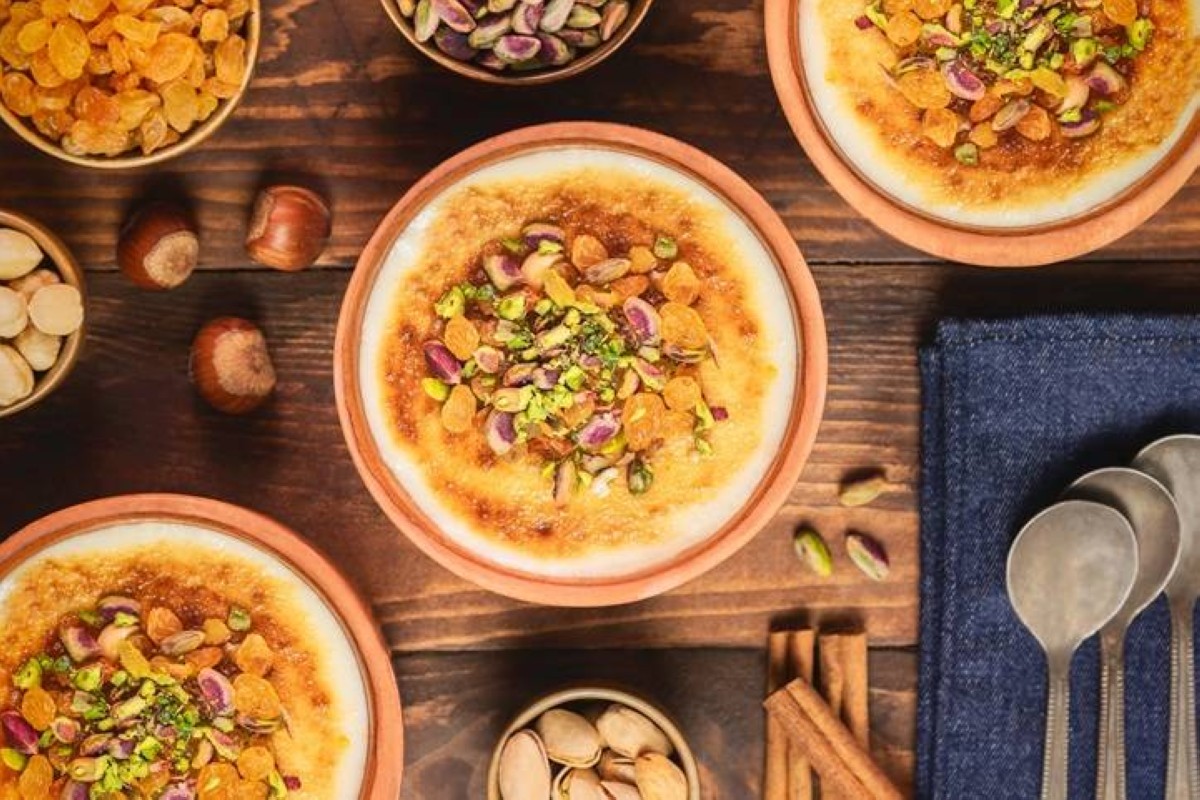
342 100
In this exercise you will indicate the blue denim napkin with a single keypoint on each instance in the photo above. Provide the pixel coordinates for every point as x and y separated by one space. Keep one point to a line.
1013 411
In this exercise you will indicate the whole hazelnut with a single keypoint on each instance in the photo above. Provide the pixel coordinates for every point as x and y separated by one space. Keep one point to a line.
158 248
289 228
230 365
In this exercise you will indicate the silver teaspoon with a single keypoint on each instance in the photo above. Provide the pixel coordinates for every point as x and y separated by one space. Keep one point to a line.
1175 461
1070 570
1151 512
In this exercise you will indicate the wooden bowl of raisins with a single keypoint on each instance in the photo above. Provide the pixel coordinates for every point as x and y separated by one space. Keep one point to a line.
120 84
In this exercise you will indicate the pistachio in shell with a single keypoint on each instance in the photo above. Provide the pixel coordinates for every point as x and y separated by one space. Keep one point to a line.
658 778
614 790
629 733
524 768
569 739
577 784
615 768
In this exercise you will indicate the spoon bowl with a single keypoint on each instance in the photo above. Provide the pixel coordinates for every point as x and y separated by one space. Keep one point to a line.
1152 513
1070 570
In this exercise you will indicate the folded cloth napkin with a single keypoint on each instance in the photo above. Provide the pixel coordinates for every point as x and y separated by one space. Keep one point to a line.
1013 411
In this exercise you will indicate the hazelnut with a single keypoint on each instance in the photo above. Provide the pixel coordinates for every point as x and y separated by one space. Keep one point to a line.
16 378
19 254
14 313
230 365
158 248
289 228
56 309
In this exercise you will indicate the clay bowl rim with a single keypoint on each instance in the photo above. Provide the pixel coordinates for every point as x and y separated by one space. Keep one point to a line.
770 494
637 13
976 245
585 693
193 138
69 269
385 756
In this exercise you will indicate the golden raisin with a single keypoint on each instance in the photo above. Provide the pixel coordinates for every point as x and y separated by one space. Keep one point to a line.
903 29
34 35
461 337
940 126
931 9
1122 12
681 284
93 105
983 136
181 105
642 260
641 418
458 412
254 655
36 779
215 631
161 623
69 48
682 326
214 25
154 132
17 93
204 657
682 393
924 88
217 781
38 709
44 72
229 60
630 286
88 10
985 107
587 251
256 697
170 57
1035 125
256 763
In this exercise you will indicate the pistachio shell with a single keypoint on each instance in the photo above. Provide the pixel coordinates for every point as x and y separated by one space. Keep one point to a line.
615 768
577 784
629 733
620 791
570 739
658 778
612 18
524 769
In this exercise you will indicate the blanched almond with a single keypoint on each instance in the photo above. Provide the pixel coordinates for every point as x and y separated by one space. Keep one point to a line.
57 309
16 378
14 315
19 254
35 280
39 349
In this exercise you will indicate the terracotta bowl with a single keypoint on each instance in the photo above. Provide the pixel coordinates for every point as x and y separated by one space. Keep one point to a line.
252 32
637 12
779 479
385 749
1016 247
592 694
72 273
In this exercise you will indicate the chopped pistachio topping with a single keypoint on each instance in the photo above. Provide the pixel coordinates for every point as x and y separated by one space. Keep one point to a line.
584 359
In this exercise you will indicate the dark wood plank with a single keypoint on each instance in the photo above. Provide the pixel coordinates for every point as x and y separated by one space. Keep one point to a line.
128 421
342 98
458 705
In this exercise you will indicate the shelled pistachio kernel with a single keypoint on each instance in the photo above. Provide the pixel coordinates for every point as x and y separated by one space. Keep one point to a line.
813 551
868 555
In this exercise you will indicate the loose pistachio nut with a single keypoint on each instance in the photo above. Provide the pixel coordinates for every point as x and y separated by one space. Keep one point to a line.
868 555
813 551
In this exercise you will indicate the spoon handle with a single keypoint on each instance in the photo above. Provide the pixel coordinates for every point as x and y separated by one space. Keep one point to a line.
1110 780
1183 775
1058 699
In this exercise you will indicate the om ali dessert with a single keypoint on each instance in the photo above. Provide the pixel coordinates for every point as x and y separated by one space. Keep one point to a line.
1003 112
583 371
134 674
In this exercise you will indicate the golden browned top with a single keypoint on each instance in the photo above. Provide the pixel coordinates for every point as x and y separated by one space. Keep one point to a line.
197 585
508 499
1017 171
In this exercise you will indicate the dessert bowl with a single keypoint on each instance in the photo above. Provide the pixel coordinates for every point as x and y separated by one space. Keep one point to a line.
58 259
214 94
634 441
1017 136
567 48
616 725
169 643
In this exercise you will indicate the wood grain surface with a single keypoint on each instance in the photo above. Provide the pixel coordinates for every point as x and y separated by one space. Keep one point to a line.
342 103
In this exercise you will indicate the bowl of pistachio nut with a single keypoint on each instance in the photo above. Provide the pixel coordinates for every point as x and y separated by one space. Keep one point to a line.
592 742
41 312
519 42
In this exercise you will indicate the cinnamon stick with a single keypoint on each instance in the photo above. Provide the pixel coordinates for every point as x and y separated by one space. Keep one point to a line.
775 778
844 766
801 663
845 682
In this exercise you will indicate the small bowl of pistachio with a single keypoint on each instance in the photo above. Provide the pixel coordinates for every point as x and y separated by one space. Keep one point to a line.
517 42
593 743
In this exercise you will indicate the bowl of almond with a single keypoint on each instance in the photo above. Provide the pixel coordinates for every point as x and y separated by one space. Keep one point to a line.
114 85
41 312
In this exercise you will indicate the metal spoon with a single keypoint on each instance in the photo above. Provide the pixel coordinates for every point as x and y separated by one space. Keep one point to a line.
1070 570
1175 461
1155 520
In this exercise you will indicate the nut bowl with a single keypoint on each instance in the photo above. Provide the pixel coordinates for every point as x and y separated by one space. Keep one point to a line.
612 23
251 31
169 562
805 43
615 727
692 529
64 263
